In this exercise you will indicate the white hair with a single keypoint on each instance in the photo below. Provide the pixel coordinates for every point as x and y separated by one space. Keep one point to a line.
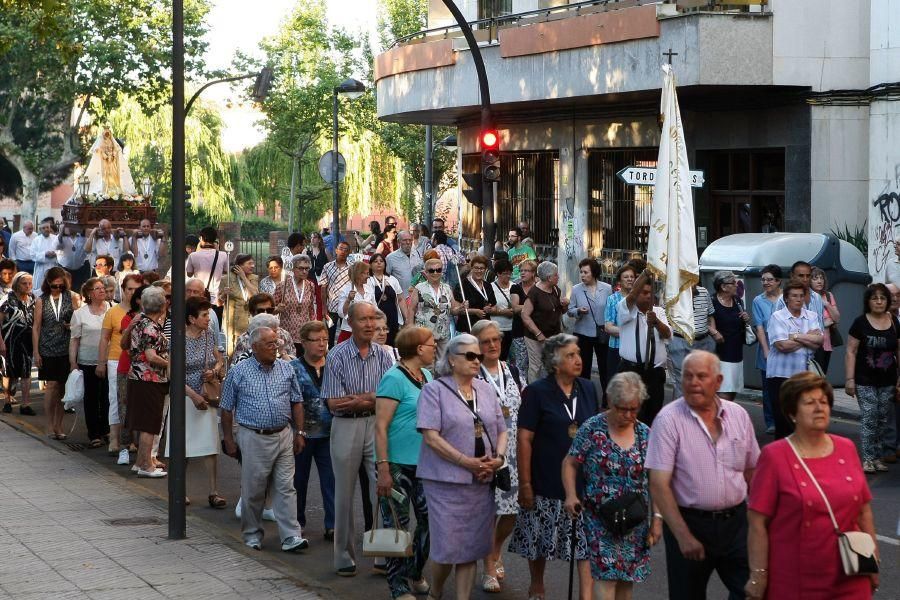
626 386
256 334
443 366
546 270
263 320
550 351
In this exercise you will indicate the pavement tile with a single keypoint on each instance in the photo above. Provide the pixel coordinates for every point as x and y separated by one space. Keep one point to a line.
146 593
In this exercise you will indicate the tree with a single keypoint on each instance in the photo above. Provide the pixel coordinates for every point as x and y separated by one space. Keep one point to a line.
56 55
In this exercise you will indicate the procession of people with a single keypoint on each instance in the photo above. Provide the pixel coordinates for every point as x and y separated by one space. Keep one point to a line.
448 389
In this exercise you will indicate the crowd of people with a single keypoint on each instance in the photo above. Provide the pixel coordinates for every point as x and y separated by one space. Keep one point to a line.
448 388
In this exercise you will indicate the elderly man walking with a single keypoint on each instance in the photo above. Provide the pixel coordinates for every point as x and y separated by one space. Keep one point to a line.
405 262
701 456
263 395
352 372
20 247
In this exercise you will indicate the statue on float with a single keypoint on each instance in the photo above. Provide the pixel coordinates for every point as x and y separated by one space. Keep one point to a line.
108 169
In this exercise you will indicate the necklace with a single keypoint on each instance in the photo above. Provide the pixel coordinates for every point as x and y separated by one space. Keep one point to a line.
420 378
806 452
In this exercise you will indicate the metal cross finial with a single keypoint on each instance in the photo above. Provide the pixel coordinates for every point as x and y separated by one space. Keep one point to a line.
669 55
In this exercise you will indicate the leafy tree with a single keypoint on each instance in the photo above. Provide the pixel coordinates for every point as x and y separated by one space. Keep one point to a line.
60 54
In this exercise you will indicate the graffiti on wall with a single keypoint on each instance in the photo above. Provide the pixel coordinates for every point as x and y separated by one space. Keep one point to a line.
884 216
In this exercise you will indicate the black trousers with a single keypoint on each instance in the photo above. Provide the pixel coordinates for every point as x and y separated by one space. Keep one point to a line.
655 380
96 403
590 347
783 427
725 545
334 329
505 345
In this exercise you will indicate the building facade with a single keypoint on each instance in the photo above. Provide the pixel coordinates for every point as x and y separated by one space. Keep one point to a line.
773 98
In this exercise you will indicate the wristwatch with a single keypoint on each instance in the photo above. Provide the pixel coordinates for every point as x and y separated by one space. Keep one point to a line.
300 432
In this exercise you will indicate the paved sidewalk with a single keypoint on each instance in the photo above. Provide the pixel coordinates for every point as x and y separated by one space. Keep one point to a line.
69 529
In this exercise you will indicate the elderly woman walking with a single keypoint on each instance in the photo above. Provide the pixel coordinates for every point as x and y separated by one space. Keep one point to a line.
241 283
506 381
727 327
465 439
542 315
295 299
397 448
148 379
552 410
608 453
16 321
431 303
84 344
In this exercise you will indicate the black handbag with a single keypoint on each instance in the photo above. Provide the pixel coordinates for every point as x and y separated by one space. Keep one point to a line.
622 514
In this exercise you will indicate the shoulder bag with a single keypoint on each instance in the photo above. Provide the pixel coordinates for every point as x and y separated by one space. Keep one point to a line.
502 478
602 336
391 542
212 270
621 515
837 340
857 548
749 334
212 389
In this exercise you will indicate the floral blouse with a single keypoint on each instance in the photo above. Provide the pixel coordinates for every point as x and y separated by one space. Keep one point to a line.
148 334
434 312
299 304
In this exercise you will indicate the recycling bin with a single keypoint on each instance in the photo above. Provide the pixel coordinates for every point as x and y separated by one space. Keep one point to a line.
745 254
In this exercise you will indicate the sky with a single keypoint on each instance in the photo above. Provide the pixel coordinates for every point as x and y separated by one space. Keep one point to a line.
234 25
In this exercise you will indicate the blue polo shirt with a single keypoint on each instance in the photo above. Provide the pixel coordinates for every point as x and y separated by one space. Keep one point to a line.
404 440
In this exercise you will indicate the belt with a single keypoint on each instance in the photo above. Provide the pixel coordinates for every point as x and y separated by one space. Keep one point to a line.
356 415
697 338
721 515
265 431
640 366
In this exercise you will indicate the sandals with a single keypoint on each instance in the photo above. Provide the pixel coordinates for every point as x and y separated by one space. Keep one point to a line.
217 501
498 568
490 584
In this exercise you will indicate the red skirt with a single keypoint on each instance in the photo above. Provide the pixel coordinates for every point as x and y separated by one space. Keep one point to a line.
344 336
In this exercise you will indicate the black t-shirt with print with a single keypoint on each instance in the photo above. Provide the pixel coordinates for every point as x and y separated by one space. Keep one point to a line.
876 358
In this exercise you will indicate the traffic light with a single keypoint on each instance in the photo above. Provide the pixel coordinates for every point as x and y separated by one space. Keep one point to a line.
187 194
490 155
473 194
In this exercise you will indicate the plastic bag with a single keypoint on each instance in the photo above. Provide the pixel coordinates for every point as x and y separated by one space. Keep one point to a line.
74 389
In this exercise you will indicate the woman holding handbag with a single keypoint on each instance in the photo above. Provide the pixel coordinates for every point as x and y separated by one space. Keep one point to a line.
203 385
818 284
804 488
727 326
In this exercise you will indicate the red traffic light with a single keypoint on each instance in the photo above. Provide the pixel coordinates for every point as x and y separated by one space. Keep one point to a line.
490 139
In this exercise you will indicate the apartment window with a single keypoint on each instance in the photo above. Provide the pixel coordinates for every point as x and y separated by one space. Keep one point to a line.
528 191
489 9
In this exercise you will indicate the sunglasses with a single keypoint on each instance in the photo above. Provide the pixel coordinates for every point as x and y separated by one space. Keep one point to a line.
57 286
470 356
268 311
433 271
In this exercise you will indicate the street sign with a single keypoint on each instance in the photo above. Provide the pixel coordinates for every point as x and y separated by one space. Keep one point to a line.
229 246
646 175
325 167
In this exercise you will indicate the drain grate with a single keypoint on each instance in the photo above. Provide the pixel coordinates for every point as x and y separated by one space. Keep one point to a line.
133 521
75 446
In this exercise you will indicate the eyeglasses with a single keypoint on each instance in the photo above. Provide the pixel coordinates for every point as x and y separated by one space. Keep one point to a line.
434 271
268 311
301 268
428 345
627 410
99 265
101 288
470 356
58 286
321 340
767 279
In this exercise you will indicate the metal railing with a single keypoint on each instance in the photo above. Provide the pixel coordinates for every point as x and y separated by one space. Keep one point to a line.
487 30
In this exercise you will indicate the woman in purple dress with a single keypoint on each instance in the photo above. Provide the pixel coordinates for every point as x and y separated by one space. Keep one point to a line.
457 463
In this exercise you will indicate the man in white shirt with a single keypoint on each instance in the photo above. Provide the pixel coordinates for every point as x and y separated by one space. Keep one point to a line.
20 247
72 256
103 241
643 329
43 253
208 264
147 245
404 263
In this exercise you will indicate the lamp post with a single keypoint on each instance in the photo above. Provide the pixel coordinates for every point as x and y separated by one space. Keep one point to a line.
84 186
147 187
351 89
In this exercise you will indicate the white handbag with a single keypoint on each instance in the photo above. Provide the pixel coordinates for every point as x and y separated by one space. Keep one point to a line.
395 542
857 548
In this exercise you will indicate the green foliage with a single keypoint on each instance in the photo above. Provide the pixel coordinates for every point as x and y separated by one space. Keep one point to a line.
858 237
56 54
258 228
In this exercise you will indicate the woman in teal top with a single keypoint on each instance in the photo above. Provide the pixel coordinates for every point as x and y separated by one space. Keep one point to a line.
397 444
625 277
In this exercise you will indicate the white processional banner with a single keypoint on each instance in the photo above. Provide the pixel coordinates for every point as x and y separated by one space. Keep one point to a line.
672 244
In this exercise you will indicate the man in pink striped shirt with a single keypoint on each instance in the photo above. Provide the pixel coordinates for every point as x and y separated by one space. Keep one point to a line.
701 456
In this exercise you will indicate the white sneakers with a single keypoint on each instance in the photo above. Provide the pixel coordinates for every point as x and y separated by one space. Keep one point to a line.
124 458
155 473
294 544
268 513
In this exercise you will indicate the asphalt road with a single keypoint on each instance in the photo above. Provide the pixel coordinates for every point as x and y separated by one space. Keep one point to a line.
315 566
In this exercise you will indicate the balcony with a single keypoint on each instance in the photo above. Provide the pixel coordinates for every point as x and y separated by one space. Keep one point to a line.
575 55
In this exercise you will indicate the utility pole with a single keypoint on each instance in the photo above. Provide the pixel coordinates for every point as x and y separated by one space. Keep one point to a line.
428 208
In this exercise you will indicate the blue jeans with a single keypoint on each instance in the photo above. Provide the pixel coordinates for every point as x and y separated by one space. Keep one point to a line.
767 402
320 450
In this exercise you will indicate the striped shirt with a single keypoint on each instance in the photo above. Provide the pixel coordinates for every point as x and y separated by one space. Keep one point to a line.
348 373
781 325
703 308
335 278
706 474
261 396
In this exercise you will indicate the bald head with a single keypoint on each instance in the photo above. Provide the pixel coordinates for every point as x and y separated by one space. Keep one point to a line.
194 288
895 296
701 377
28 227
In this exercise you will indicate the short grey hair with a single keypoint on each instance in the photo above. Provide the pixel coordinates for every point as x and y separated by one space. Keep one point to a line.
256 334
546 270
483 325
263 320
153 300
109 281
550 352
626 386
355 306
300 258
443 366
193 280
379 315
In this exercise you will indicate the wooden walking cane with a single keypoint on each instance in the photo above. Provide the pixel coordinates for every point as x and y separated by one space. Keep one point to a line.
572 544
462 291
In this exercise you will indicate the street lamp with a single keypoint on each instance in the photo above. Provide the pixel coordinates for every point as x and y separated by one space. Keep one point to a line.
351 89
84 186
448 143
147 187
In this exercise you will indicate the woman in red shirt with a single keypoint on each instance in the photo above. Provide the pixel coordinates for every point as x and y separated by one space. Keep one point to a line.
792 544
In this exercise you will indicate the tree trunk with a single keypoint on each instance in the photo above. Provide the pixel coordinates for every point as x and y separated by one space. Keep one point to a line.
30 185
